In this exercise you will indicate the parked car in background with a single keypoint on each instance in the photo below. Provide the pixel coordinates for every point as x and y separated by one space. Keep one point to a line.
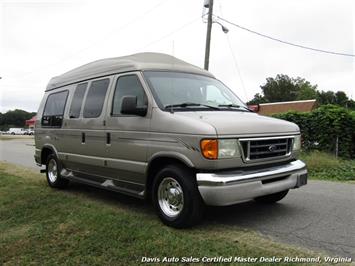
16 131
152 126
29 132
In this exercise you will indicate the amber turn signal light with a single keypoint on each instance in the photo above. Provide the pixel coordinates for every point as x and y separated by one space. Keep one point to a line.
209 148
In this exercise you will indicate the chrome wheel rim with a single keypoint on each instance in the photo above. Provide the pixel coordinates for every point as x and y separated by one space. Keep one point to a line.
52 170
170 197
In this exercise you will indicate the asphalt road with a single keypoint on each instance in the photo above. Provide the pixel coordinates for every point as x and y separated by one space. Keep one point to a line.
319 216
19 151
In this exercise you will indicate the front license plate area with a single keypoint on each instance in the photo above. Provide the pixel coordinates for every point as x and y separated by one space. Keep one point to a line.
302 180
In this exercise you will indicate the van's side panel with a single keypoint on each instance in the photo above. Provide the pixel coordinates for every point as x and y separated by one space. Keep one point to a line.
72 130
85 140
127 152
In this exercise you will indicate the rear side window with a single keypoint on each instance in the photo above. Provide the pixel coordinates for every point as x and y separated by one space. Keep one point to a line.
54 109
95 98
128 86
77 100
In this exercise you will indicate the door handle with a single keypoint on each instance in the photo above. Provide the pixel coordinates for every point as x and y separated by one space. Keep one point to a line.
108 138
83 138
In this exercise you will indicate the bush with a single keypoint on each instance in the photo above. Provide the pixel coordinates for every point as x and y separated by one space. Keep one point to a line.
325 166
322 127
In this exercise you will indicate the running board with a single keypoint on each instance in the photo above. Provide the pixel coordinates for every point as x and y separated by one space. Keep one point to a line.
108 184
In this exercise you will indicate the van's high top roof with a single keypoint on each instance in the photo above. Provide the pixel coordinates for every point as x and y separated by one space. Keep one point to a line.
109 66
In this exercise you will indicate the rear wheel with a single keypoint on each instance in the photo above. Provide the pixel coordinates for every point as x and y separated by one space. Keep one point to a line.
272 198
53 169
176 197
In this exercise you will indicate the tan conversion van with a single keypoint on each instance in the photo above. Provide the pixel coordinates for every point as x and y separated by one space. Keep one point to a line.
152 126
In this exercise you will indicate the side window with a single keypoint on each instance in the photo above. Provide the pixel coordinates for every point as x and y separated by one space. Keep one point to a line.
96 98
77 100
128 86
54 109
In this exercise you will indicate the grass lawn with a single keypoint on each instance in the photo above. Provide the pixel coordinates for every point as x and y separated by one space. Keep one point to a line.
82 226
325 166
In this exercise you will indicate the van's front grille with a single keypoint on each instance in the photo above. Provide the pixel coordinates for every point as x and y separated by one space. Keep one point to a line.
266 148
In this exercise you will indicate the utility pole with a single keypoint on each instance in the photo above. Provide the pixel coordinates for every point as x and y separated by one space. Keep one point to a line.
208 37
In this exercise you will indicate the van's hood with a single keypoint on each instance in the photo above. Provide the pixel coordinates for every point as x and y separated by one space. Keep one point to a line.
242 123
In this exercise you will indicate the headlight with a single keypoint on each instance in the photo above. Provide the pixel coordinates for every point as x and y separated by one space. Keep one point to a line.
296 143
228 148
219 149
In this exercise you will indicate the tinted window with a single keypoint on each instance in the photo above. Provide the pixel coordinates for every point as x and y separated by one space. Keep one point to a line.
55 103
54 109
95 98
128 86
77 100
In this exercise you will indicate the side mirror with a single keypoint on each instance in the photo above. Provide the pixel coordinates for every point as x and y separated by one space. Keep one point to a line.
129 106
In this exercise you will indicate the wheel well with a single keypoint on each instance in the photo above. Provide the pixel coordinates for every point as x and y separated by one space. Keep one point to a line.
157 164
44 154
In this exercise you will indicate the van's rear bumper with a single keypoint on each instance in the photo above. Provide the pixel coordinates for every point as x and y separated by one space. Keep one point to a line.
230 187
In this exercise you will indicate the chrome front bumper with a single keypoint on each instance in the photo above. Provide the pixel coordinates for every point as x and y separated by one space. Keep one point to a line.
230 187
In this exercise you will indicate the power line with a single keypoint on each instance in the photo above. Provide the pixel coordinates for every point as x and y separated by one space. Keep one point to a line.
236 65
285 42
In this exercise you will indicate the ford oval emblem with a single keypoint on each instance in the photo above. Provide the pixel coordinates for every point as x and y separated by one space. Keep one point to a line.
272 148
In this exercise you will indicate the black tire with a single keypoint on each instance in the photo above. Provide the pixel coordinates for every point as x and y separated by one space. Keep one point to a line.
54 179
272 198
192 207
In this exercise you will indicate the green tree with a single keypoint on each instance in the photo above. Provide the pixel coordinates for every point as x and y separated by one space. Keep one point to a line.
14 118
306 91
341 98
258 98
281 88
338 98
351 104
326 97
284 88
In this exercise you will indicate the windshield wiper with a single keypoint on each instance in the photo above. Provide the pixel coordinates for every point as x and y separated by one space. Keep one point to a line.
234 106
187 104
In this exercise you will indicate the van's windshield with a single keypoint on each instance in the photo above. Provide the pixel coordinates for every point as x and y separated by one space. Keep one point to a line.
182 91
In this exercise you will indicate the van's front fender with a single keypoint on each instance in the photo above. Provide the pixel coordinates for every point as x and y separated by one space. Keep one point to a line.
173 155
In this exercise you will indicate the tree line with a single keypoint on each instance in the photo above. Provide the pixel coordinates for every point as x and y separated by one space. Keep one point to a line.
284 88
14 118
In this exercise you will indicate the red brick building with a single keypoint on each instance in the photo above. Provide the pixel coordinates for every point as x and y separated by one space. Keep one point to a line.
282 107
31 122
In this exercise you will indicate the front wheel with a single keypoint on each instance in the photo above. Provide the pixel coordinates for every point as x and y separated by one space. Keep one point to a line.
53 169
176 197
272 198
